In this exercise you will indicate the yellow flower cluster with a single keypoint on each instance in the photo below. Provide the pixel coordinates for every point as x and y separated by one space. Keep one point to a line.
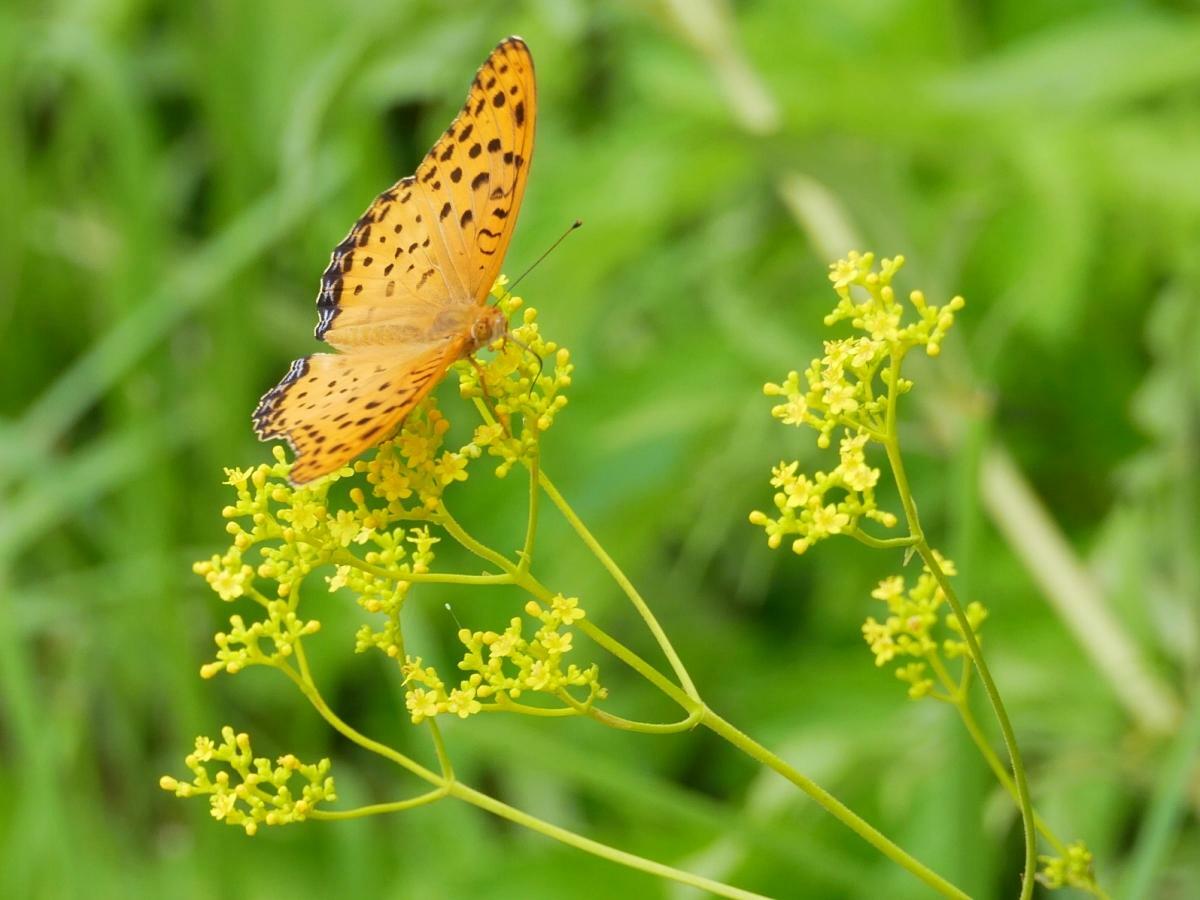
850 387
523 385
806 510
293 530
1073 870
909 629
259 792
867 299
840 388
266 642
505 665
412 471
382 589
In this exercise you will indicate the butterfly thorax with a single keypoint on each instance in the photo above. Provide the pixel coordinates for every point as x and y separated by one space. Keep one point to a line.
489 325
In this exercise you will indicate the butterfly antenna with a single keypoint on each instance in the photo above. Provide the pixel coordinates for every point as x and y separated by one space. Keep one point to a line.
531 352
450 610
562 237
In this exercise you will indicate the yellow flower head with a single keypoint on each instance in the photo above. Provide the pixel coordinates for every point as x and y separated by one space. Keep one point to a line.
248 791
849 387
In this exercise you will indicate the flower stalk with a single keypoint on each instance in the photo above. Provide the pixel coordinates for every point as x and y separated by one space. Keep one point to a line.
383 542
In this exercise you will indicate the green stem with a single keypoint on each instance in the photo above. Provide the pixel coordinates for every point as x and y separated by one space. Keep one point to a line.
882 543
687 700
526 561
439 747
831 804
349 559
503 704
305 683
570 838
623 581
453 788
615 721
997 767
639 665
1006 729
456 531
957 697
328 815
892 446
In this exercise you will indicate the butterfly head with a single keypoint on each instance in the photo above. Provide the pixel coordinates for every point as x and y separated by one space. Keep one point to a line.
488 326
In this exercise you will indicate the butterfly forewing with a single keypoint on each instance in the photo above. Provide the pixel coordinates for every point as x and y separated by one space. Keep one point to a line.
397 294
439 236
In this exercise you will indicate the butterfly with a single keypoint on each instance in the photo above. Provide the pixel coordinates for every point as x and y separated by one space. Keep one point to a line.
405 293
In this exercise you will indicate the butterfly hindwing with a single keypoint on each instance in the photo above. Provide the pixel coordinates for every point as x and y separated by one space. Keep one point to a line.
330 407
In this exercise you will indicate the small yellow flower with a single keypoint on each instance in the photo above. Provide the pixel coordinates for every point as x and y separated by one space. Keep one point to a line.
346 528
800 492
237 477
889 590
827 519
204 748
783 474
839 398
567 609
463 703
422 704
792 412
451 467
556 643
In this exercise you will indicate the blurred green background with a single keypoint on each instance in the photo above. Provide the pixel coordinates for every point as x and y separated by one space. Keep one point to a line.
173 178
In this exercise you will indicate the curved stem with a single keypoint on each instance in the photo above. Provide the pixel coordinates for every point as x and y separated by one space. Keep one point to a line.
1006 729
304 682
526 560
483 551
881 543
349 559
997 767
494 806
623 581
892 446
506 705
332 815
831 804
439 747
449 787
615 721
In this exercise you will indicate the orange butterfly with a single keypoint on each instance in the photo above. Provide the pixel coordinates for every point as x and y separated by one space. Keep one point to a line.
404 295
